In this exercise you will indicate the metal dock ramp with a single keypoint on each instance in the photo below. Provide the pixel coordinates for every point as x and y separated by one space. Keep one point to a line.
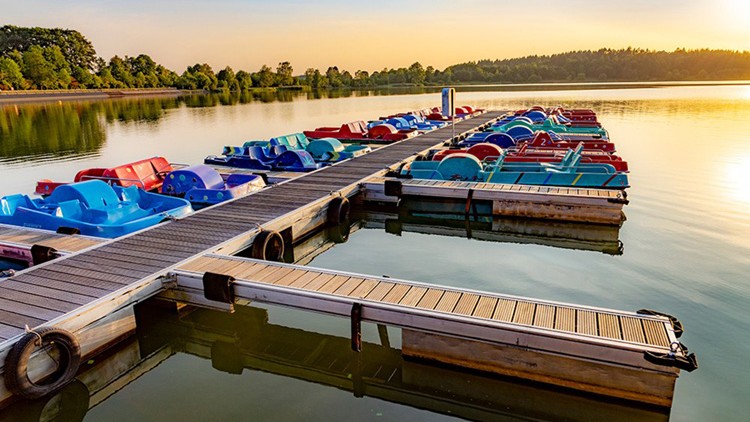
492 332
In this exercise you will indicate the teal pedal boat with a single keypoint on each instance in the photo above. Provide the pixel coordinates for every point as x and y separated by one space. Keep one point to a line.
93 208
570 172
550 126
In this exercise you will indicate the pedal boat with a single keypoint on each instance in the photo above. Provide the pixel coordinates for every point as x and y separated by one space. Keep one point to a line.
93 208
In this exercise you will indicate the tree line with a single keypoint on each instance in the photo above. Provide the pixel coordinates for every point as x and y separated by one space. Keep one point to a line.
53 58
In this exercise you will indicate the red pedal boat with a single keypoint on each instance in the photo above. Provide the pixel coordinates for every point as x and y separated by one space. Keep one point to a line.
358 132
488 152
146 174
543 140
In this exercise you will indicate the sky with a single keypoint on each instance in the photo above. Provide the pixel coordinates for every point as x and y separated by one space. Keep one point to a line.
374 34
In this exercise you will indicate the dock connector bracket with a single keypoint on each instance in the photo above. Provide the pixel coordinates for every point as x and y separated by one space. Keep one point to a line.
684 360
218 287
41 254
392 188
357 327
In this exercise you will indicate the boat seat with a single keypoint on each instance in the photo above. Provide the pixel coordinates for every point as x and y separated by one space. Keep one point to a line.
460 166
92 193
258 153
425 170
69 209
10 203
293 141
231 150
256 143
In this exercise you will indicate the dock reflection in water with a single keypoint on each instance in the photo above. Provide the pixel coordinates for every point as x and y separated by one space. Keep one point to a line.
587 237
245 342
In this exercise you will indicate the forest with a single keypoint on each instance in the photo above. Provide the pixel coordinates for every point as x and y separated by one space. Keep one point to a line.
54 58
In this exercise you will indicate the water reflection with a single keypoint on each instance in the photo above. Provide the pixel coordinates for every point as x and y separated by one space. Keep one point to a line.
587 237
43 132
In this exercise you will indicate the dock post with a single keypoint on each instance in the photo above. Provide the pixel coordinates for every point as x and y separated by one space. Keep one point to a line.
383 333
357 327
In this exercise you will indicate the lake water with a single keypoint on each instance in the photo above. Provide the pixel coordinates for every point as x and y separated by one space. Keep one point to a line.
686 249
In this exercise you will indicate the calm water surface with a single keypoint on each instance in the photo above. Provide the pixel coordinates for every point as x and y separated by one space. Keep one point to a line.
686 244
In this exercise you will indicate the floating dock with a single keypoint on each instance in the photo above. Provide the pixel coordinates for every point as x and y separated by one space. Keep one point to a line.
581 205
91 292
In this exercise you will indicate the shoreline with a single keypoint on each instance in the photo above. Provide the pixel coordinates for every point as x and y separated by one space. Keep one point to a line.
30 96
11 97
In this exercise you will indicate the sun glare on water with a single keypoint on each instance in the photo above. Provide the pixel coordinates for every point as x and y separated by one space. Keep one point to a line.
737 173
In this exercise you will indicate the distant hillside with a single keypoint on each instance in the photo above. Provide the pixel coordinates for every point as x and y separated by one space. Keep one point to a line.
54 58
631 64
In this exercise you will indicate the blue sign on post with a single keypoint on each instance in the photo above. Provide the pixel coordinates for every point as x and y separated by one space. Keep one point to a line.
449 95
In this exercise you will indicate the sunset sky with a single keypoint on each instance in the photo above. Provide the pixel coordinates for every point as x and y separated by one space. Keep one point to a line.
370 35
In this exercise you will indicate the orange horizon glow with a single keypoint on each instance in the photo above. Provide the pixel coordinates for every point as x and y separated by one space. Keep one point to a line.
247 34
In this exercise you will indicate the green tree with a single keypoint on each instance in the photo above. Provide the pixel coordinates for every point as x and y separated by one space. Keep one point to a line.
36 68
361 78
77 50
416 74
244 80
204 76
309 75
264 77
226 78
284 73
334 77
120 71
82 78
10 74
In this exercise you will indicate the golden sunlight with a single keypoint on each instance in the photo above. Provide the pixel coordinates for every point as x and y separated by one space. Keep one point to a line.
737 173
738 11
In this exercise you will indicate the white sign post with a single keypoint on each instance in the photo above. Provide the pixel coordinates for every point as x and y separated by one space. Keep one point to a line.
449 110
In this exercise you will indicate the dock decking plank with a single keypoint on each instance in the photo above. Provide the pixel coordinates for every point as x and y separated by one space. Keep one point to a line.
448 302
565 319
505 310
485 307
632 330
364 289
380 291
466 304
609 325
586 322
545 316
524 313
430 299
655 333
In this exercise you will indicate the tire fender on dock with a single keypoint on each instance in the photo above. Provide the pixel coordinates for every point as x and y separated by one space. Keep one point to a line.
16 364
338 210
268 245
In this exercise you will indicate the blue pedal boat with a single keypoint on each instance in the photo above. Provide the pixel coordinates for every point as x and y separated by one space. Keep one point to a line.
569 172
565 131
204 186
94 208
251 156
296 160
408 122
331 150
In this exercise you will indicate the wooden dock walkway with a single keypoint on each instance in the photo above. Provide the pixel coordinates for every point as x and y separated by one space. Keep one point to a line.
16 242
72 292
